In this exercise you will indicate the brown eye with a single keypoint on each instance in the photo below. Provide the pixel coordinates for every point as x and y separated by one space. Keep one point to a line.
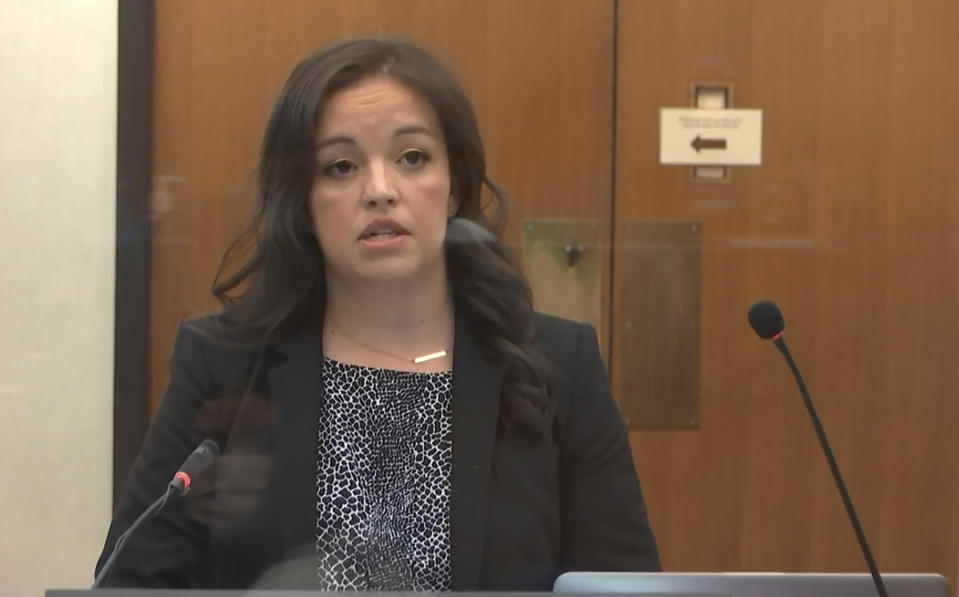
414 157
339 168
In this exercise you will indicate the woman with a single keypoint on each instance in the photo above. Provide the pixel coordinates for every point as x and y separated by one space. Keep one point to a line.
393 414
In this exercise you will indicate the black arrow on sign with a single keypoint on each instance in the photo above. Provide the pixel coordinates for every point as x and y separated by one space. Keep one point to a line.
700 143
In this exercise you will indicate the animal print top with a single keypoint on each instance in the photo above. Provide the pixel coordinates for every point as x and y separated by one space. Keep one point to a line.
385 452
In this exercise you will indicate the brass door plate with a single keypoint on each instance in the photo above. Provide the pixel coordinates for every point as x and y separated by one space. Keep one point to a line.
659 322
563 263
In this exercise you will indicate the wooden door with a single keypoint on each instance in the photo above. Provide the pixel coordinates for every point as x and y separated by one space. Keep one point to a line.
540 73
850 225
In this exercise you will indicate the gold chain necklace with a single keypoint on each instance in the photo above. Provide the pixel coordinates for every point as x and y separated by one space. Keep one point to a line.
415 360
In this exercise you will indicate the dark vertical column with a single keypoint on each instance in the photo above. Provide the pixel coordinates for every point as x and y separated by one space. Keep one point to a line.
132 319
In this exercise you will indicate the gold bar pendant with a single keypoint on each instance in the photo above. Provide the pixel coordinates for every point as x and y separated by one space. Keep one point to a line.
429 357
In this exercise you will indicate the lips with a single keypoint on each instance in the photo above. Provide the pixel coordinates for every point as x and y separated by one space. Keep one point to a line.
382 229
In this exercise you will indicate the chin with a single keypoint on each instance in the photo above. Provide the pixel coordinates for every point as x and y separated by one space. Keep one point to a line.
389 272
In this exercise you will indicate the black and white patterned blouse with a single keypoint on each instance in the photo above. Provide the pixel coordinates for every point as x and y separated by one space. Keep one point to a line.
384 460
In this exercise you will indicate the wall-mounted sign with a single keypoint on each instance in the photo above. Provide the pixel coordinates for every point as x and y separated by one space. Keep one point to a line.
710 137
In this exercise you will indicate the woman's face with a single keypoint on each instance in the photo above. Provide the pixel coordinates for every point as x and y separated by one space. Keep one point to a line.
381 197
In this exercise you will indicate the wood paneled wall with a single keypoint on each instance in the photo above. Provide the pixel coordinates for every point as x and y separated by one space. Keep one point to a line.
848 224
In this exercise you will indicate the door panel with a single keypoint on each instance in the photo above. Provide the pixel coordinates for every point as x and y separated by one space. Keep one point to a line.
848 225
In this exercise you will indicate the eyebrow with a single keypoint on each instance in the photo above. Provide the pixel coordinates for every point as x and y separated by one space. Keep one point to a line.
403 130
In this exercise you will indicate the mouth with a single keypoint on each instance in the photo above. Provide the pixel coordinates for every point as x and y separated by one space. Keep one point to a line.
383 230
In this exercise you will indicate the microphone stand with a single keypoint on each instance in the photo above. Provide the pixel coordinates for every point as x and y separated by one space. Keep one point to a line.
860 535
154 508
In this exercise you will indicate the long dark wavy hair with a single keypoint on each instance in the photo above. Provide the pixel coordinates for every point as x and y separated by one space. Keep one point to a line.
279 283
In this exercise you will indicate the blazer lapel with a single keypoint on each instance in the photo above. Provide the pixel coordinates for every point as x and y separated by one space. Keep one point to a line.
476 396
296 388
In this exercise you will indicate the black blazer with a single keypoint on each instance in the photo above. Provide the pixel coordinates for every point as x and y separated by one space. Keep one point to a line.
522 510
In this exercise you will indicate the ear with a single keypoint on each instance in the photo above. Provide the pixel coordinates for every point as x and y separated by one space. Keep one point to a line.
453 205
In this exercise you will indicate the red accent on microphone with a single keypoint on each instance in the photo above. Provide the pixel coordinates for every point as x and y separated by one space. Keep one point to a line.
777 336
183 477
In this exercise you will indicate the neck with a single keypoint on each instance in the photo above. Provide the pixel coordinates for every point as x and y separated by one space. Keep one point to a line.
408 318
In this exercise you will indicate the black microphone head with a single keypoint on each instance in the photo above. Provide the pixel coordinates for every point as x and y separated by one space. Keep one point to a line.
463 231
211 446
766 319
201 458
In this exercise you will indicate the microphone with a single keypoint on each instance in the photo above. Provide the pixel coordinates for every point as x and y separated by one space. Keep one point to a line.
463 231
196 463
767 321
201 458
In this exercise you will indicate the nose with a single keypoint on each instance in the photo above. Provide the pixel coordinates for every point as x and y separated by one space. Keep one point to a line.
379 190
